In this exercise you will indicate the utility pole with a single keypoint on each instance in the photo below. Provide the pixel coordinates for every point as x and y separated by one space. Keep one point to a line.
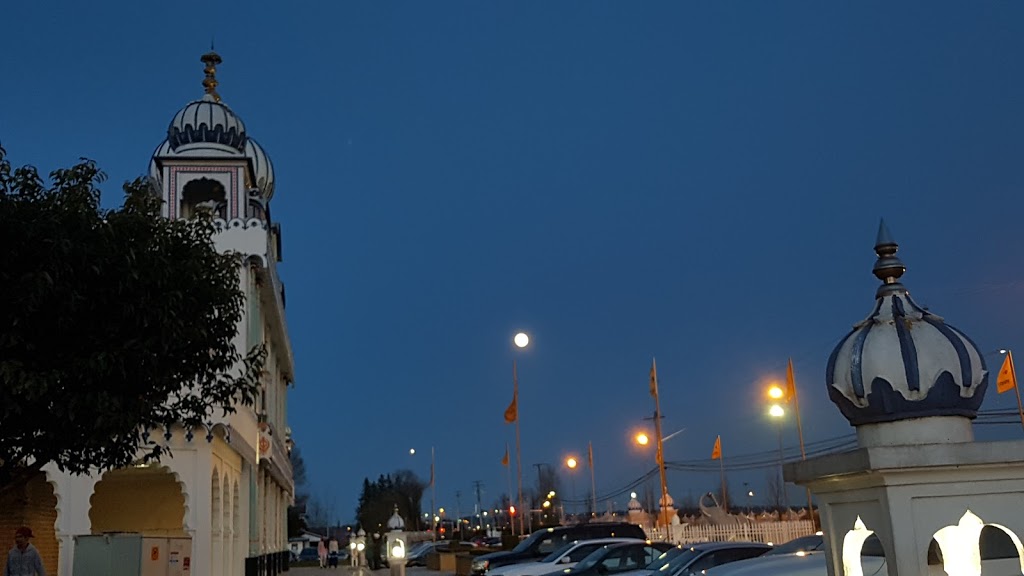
458 511
476 511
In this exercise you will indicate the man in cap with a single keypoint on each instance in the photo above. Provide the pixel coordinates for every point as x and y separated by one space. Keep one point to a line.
23 559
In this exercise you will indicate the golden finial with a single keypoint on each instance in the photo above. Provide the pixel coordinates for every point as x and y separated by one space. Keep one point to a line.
211 59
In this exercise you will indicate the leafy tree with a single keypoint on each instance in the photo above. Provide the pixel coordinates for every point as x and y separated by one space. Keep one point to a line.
297 512
378 500
112 322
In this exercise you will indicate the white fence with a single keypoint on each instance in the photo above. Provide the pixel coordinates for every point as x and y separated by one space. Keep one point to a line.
768 532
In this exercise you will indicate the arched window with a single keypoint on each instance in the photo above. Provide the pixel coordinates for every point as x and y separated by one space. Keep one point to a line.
204 194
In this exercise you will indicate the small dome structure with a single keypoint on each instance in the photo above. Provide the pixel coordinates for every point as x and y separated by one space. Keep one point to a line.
902 361
634 504
396 522
206 121
263 169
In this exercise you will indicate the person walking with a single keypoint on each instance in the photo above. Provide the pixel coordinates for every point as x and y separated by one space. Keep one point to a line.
24 559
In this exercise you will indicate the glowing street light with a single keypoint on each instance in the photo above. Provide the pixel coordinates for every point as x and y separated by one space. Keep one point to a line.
521 340
571 463
777 412
775 392
412 451
641 439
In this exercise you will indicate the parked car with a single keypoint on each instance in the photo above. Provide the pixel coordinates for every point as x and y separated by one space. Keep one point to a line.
308 553
417 555
696 558
616 559
812 543
547 540
998 557
565 557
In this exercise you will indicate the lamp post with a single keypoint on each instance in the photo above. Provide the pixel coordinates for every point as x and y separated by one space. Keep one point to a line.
778 413
521 340
571 463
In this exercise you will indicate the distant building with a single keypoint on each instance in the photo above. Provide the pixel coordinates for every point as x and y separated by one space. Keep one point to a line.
219 506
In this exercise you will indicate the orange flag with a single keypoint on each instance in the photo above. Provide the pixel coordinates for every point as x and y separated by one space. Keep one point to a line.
1007 379
504 461
790 383
716 452
512 412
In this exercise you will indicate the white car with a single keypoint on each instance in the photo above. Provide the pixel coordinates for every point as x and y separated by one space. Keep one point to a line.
565 557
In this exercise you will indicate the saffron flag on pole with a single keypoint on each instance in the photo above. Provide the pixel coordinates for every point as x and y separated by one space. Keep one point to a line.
716 452
654 379
590 455
504 460
1007 379
790 383
512 412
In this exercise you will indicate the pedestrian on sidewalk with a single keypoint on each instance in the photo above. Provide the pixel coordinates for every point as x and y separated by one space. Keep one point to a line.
24 559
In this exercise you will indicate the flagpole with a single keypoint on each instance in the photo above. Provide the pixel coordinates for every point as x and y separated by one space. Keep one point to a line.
721 468
1013 371
508 473
433 494
663 511
519 453
593 484
800 433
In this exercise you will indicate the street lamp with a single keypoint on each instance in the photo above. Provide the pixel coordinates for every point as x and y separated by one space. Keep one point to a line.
521 340
571 463
641 439
778 413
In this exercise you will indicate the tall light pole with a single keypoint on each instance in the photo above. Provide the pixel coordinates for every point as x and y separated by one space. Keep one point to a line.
521 340
571 463
593 482
660 454
777 412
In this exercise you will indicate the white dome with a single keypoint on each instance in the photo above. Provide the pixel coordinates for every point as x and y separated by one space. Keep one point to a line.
206 122
263 169
902 361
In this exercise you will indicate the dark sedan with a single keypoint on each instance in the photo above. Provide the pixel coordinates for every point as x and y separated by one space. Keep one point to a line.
616 558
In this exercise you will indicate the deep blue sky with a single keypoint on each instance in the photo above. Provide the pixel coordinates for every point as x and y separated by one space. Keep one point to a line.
695 181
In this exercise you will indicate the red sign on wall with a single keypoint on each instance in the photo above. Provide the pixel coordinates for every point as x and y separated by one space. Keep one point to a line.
154 554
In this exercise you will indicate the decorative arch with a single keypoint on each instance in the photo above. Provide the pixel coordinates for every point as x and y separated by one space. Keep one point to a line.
961 548
150 499
856 543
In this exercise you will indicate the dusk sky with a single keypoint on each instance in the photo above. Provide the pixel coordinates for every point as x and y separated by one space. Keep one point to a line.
699 182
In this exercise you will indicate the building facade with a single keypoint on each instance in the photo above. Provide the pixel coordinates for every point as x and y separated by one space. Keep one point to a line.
219 505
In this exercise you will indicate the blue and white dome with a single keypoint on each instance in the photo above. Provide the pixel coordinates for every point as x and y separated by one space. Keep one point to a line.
262 168
902 361
205 122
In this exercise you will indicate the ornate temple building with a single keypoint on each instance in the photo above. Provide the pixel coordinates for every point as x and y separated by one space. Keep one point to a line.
219 505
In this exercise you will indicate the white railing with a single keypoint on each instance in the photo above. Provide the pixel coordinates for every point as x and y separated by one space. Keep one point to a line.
768 532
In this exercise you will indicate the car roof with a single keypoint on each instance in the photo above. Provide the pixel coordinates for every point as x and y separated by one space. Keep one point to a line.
704 546
781 564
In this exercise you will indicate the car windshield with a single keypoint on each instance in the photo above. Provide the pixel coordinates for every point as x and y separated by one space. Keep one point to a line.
558 553
591 560
671 558
530 540
803 544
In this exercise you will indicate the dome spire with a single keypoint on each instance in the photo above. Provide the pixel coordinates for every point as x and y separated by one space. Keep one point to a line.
888 268
211 59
